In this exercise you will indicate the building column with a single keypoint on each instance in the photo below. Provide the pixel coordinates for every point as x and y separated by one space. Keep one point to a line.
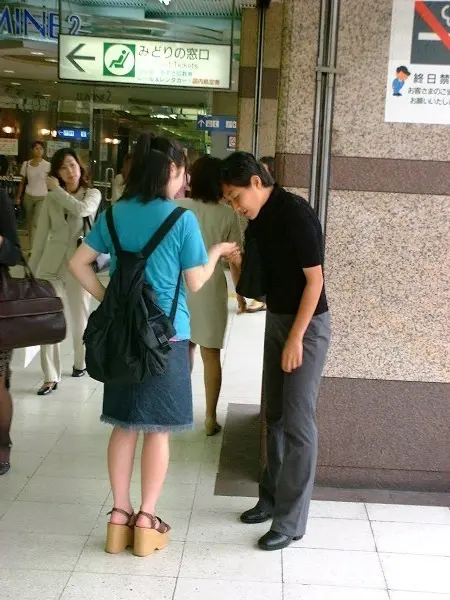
270 81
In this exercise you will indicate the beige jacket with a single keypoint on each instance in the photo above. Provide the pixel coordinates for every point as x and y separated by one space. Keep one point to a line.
59 227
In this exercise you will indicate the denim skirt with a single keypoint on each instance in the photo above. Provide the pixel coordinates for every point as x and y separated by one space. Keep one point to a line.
159 404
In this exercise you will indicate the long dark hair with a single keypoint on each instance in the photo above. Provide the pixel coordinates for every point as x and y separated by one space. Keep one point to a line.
57 162
205 180
150 167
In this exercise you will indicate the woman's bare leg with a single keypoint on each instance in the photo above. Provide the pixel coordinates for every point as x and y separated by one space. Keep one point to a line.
154 465
213 384
121 451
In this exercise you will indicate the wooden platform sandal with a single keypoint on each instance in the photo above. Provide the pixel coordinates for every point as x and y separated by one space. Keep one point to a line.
149 539
120 537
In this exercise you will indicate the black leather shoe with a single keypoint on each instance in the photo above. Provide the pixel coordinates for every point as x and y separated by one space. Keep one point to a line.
47 389
276 541
258 514
78 372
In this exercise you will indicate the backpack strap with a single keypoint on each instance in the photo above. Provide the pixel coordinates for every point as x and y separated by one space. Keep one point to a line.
173 310
162 231
153 244
112 230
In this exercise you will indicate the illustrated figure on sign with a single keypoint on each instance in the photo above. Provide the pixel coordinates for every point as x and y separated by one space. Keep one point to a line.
119 62
402 74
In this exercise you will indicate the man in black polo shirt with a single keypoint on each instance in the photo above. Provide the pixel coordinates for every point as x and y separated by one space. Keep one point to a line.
289 239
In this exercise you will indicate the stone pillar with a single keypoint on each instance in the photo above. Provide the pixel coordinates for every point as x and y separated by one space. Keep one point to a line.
384 409
270 82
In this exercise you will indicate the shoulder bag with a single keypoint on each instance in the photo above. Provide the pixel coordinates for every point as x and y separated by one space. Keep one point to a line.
31 314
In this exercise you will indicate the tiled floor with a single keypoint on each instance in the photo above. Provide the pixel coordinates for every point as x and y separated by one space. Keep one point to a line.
53 508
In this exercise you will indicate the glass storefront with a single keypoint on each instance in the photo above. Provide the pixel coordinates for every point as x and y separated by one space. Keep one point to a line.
103 115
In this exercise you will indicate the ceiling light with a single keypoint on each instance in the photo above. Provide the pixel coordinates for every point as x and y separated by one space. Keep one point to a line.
46 95
54 133
35 53
7 129
51 60
161 116
8 71
45 131
15 83
115 141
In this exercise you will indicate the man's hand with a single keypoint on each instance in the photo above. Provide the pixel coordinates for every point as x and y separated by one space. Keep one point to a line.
292 357
52 183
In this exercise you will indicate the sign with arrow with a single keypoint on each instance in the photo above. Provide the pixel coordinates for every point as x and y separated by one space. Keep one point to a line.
221 124
75 59
144 62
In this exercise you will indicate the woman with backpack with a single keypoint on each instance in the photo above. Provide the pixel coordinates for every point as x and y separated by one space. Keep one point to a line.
61 225
160 404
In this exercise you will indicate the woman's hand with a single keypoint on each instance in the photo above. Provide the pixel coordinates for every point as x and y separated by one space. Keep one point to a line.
52 183
228 250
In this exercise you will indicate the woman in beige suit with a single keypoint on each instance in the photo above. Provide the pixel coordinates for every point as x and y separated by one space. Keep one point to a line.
59 228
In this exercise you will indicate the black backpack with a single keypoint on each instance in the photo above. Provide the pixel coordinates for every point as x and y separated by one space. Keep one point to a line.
128 337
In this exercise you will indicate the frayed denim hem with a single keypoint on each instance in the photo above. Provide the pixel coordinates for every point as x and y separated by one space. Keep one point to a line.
147 428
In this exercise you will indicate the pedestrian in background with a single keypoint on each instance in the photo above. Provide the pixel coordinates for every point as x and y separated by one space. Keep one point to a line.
9 256
34 175
61 225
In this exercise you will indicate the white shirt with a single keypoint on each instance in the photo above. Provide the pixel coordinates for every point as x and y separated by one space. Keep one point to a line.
36 177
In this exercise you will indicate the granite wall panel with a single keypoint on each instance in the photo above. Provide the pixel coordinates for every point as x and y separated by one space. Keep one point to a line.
387 258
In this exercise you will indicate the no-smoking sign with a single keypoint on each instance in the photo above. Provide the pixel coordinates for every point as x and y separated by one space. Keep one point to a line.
431 33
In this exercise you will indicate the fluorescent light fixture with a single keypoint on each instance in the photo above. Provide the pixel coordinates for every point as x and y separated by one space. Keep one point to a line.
51 60
35 53
161 116
8 71
15 83
7 129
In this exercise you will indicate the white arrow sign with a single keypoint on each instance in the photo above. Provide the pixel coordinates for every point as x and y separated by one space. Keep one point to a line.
144 62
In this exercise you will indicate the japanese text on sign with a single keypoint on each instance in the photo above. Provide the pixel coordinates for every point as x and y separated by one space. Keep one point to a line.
418 86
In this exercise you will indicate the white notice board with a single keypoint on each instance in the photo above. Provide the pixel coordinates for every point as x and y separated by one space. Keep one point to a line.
418 83
9 147
145 62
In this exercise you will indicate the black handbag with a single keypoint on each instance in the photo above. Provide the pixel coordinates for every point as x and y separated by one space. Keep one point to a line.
102 261
253 281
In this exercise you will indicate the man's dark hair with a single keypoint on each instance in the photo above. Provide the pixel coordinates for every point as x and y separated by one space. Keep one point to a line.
404 70
37 143
205 180
238 169
150 167
269 161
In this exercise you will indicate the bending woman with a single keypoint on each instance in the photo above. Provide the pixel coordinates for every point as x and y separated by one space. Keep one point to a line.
60 227
209 307
162 404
